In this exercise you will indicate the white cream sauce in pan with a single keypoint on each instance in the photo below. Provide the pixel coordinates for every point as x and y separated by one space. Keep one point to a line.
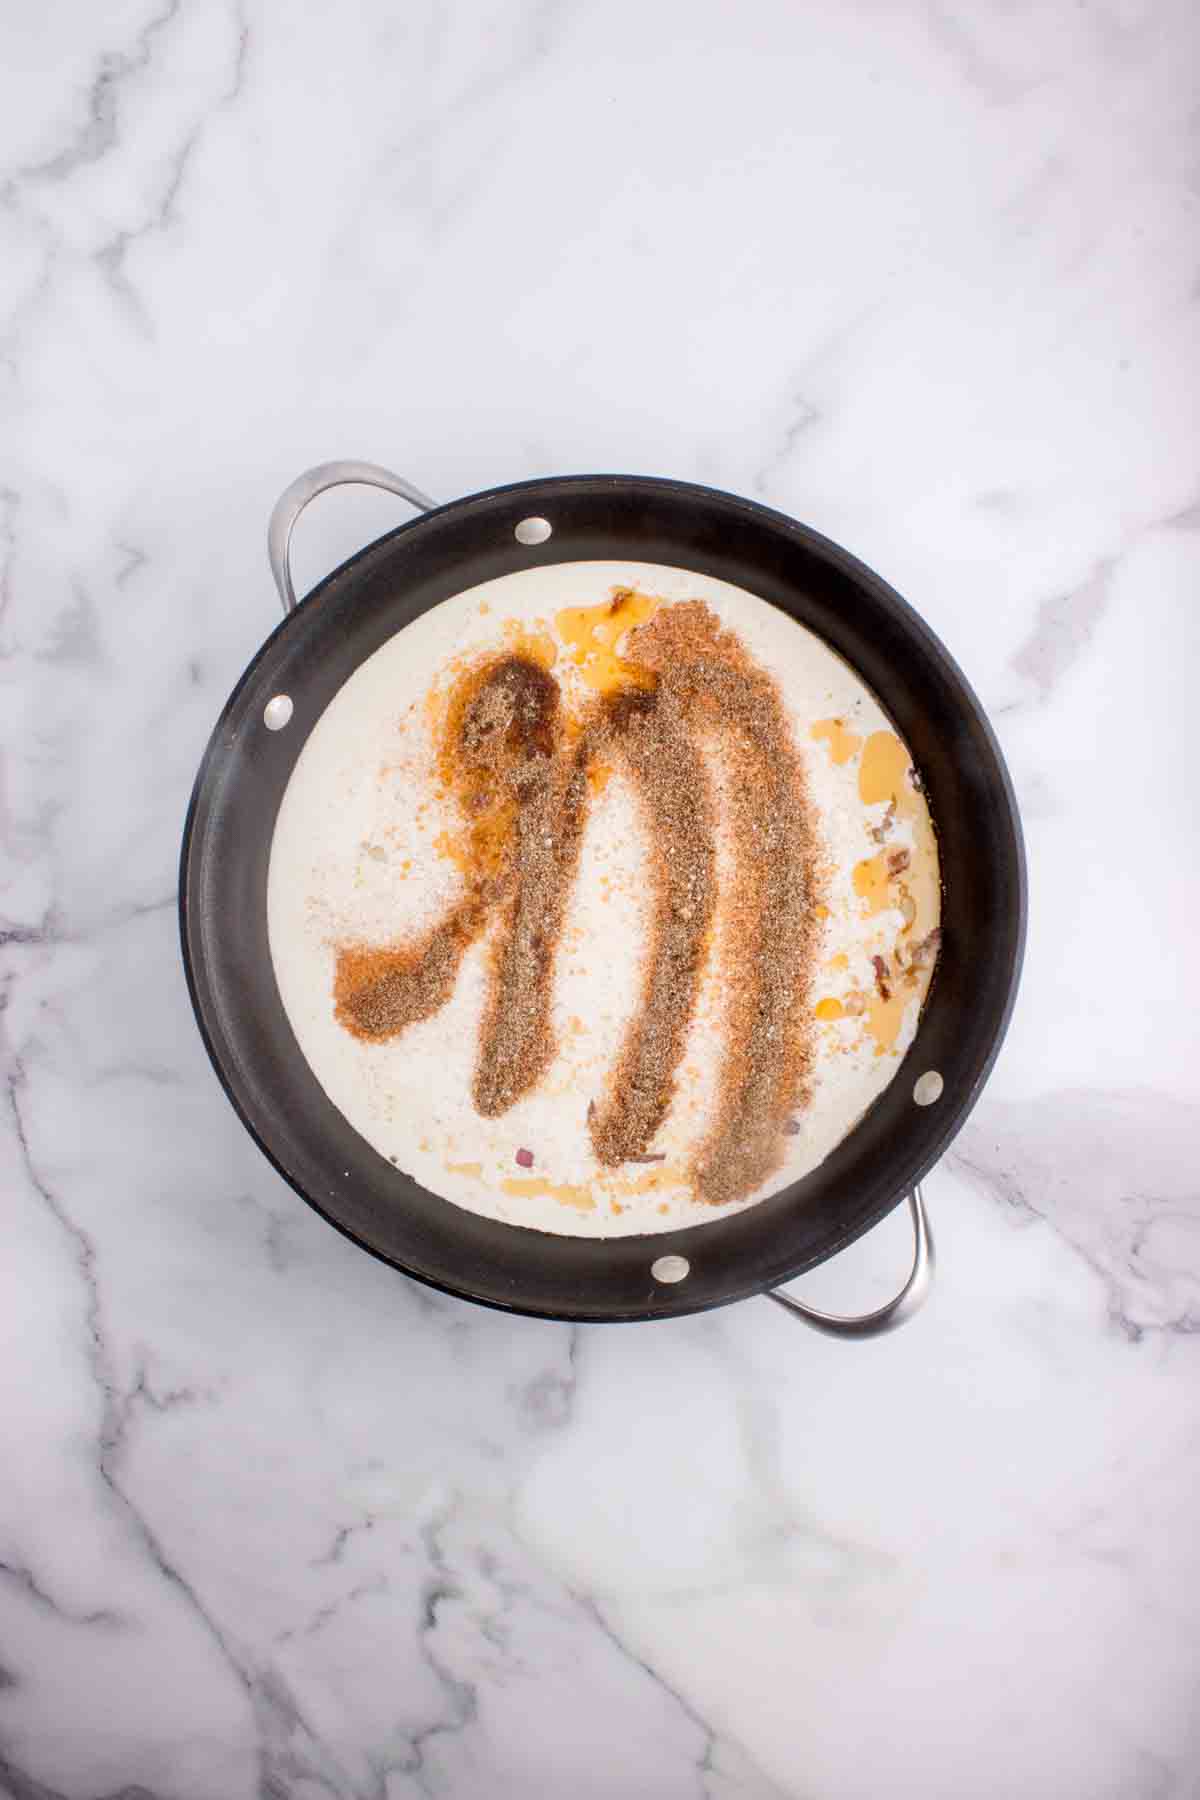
364 850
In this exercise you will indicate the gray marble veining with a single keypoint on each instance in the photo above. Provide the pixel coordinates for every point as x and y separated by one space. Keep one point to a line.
275 1522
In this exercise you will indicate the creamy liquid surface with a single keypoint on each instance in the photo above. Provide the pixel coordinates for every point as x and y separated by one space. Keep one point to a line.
363 850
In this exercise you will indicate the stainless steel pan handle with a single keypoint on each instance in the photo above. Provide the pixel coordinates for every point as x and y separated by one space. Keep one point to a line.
306 487
886 1318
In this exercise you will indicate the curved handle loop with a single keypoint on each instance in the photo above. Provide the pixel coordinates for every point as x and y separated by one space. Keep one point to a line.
292 502
885 1318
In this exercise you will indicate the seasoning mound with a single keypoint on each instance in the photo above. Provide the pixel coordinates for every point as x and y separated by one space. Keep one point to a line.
518 772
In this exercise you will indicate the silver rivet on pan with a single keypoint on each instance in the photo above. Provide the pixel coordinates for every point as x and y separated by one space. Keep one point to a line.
277 712
928 1087
533 531
670 1268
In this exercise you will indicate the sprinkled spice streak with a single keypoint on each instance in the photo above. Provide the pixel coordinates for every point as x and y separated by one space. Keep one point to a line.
376 993
649 732
500 760
770 936
523 793
516 1039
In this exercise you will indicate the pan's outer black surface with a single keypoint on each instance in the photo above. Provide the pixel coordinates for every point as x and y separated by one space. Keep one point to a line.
348 616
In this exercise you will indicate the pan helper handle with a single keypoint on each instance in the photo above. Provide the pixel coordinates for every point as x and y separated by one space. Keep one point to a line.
306 487
885 1318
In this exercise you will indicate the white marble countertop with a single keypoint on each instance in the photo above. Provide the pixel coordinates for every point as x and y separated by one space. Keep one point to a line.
274 1521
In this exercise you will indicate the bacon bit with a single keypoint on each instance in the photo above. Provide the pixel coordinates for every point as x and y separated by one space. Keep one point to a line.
881 975
649 1157
524 1159
883 829
923 954
898 861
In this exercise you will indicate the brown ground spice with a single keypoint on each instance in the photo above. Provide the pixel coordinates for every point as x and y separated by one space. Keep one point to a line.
771 936
496 759
379 991
516 1038
648 731
523 793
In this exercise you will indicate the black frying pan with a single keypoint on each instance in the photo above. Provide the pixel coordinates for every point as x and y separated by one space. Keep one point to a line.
227 841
